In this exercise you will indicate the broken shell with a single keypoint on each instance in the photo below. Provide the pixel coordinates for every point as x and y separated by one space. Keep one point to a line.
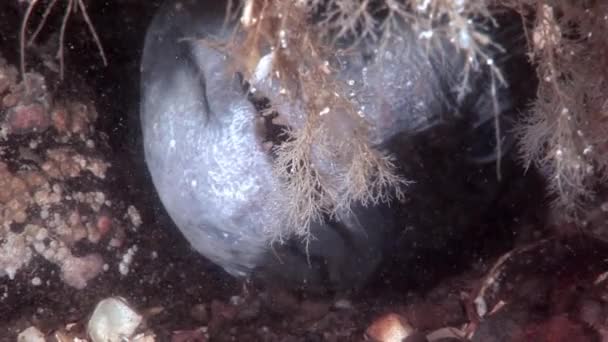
31 334
144 338
65 336
389 328
113 320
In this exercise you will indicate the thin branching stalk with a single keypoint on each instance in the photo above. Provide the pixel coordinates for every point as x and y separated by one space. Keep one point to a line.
71 6
22 33
83 9
45 17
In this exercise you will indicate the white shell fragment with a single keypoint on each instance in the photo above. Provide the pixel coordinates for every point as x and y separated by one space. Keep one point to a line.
113 320
144 338
263 69
31 334
389 328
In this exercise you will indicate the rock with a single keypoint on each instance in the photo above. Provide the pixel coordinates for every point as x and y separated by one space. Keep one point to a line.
197 335
221 314
281 302
416 337
343 304
28 118
430 315
77 272
313 310
249 310
389 328
10 100
199 313
59 117
557 329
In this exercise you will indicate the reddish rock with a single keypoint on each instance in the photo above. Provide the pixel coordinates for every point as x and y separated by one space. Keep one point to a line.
282 302
221 314
28 118
4 83
189 336
222 311
78 124
10 100
312 310
427 316
557 329
51 169
104 224
34 179
60 118
199 313
389 328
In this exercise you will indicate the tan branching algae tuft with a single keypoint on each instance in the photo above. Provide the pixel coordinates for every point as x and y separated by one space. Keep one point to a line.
287 49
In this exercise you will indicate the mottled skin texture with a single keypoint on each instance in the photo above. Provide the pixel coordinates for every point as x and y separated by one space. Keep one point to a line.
204 151
212 173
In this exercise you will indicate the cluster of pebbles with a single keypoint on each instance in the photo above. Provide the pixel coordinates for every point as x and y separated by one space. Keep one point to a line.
54 201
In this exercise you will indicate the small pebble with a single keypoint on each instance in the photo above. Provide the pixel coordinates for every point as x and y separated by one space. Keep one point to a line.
199 313
236 300
343 304
389 328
